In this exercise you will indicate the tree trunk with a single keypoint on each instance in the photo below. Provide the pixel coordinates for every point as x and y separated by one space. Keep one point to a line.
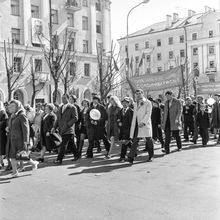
55 90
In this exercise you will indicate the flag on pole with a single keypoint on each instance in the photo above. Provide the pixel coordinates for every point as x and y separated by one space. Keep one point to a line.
115 65
131 64
132 86
141 61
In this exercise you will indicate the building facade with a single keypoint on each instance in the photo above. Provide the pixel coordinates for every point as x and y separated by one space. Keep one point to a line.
168 44
88 20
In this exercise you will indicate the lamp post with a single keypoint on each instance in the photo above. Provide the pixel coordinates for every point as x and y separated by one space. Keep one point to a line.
127 59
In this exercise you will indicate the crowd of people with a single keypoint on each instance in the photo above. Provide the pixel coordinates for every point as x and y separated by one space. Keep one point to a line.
65 128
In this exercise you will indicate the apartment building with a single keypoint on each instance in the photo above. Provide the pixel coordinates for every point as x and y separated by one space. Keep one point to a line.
167 44
88 20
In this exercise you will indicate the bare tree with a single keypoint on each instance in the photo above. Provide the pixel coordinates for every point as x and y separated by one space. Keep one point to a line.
109 77
15 66
36 80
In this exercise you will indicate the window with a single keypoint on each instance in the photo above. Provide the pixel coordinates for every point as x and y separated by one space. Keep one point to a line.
211 78
170 54
99 48
15 7
158 43
85 46
86 69
136 46
15 35
126 48
182 53
170 41
70 19
85 3
194 36
212 49
54 16
98 27
98 5
148 58
159 68
71 69
71 44
211 34
17 64
85 23
182 39
147 44
159 57
195 51
212 64
72 3
38 65
35 11
195 65
171 67
137 59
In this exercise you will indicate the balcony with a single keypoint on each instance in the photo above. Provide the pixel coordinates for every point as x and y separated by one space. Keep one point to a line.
210 70
73 5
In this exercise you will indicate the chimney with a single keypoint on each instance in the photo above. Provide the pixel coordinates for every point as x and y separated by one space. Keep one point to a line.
191 13
175 17
207 8
169 21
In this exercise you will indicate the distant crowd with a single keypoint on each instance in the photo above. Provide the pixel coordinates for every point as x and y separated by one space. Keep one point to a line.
64 129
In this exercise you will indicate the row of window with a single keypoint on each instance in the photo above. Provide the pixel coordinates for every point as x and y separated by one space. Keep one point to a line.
38 66
170 40
35 12
211 50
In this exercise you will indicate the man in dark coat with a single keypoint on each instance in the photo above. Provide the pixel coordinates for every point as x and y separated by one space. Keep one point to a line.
124 122
66 118
96 129
188 118
216 115
171 123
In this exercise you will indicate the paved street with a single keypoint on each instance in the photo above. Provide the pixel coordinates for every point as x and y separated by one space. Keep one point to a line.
183 185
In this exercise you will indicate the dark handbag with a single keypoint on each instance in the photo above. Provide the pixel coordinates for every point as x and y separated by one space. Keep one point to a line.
23 155
56 139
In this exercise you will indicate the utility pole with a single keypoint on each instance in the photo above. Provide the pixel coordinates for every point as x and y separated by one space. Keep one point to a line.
50 39
186 62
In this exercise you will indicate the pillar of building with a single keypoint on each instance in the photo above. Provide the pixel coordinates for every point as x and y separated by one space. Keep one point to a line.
201 63
205 57
27 22
45 8
106 25
92 28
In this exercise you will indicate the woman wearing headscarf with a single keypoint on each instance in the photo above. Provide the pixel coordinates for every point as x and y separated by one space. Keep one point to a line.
18 136
47 123
3 136
112 123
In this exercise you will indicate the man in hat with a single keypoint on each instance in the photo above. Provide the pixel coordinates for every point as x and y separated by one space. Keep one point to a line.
124 122
96 128
171 123
66 118
141 126
216 115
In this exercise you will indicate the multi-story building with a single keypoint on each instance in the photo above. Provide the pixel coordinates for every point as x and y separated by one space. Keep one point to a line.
164 45
88 20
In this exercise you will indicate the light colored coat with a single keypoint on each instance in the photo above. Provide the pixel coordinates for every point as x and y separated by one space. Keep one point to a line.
175 114
142 113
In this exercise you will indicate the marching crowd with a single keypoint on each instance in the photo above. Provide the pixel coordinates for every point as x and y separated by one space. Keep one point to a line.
64 128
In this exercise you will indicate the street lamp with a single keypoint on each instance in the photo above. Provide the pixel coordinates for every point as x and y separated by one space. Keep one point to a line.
127 60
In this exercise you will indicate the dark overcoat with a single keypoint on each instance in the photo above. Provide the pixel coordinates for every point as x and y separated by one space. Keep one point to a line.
125 119
18 133
175 112
216 115
115 123
96 131
66 120
47 124
203 120
3 136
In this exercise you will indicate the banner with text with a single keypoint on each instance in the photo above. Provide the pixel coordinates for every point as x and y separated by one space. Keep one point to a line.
159 81
208 88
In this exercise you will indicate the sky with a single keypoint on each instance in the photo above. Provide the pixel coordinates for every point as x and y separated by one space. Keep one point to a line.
150 13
